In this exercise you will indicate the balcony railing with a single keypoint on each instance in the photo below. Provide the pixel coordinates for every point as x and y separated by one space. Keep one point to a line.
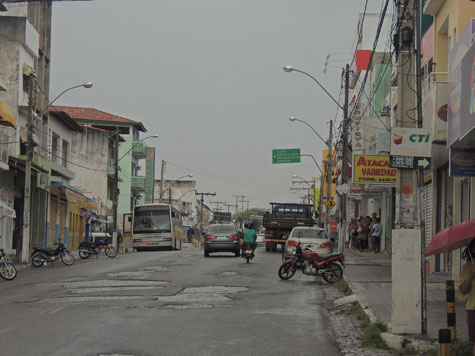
138 184
139 149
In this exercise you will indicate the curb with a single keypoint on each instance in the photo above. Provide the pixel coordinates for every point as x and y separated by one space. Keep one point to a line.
395 341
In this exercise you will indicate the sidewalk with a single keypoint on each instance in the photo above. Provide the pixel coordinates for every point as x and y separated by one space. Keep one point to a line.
369 276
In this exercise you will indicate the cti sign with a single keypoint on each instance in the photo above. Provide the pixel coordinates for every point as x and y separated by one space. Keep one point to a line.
411 142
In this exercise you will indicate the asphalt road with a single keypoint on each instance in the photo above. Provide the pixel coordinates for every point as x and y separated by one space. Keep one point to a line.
163 303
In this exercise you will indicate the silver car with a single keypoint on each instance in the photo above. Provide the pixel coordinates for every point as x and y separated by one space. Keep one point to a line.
311 237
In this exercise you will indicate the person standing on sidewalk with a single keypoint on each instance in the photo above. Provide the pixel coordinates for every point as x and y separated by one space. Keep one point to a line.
467 288
376 234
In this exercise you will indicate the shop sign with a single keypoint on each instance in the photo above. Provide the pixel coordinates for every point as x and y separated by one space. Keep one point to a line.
411 142
454 129
149 175
462 162
373 169
358 192
467 103
333 225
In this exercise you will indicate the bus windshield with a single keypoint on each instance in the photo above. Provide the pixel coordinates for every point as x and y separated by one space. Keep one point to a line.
149 219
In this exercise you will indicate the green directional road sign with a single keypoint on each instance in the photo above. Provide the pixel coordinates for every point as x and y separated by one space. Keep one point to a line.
409 162
290 155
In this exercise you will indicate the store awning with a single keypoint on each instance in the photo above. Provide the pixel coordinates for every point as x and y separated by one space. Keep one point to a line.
7 118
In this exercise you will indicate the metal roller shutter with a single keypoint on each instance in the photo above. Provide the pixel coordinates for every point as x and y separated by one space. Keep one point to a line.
428 212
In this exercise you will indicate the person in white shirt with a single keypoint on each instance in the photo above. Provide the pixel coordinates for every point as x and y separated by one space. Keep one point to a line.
376 234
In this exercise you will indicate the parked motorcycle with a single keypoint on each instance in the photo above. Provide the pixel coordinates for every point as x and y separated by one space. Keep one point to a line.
41 255
7 269
328 267
94 248
248 253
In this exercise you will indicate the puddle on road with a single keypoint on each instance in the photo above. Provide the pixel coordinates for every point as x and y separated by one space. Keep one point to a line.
104 283
228 274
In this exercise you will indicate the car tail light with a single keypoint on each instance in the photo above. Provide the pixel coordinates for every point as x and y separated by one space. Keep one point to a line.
144 244
292 243
234 237
211 237
326 245
300 223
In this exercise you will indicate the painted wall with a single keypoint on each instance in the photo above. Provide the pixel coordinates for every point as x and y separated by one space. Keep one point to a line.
89 151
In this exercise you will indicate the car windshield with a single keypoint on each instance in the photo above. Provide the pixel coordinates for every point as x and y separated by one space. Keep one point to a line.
220 229
309 233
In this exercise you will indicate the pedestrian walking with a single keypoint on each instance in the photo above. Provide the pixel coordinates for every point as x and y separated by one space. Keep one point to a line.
363 235
467 288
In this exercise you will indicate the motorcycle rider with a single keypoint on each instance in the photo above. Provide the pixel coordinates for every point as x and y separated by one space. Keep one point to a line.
250 237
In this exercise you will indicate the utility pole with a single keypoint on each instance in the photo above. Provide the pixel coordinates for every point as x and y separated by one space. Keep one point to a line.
341 244
418 4
229 205
116 187
408 289
201 207
162 173
218 208
25 244
329 172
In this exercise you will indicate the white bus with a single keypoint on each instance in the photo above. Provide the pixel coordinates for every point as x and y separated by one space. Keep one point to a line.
156 225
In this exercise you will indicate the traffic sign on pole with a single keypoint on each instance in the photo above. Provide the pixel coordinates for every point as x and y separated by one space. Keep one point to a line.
290 155
409 162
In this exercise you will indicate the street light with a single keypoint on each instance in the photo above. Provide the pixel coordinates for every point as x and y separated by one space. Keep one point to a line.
136 143
25 248
289 69
160 196
292 118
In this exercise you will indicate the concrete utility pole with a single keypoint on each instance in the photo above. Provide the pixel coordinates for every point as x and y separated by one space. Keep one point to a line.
116 187
329 172
344 159
408 287
201 207
25 244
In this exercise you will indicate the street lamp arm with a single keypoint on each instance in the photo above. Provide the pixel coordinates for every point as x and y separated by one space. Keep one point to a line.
135 144
306 123
85 85
316 81
314 160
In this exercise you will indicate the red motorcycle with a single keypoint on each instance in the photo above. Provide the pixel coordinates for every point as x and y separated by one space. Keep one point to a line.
328 267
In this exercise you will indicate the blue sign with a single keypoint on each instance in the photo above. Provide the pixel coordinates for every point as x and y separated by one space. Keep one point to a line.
462 162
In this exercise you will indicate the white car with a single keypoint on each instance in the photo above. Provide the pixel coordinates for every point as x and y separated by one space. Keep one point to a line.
260 236
311 237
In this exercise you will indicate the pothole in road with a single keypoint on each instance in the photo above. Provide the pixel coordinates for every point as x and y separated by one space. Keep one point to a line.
105 283
90 299
129 274
155 269
228 274
202 294
110 289
214 289
186 306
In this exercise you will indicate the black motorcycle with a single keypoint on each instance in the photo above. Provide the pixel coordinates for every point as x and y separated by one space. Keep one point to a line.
95 248
248 254
42 255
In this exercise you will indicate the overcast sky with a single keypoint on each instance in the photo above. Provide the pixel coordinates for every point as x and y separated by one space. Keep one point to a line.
206 75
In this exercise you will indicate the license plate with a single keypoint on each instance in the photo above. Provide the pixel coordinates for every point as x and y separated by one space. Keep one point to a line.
222 238
248 251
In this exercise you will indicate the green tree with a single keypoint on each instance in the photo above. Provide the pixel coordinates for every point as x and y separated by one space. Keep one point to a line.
251 216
